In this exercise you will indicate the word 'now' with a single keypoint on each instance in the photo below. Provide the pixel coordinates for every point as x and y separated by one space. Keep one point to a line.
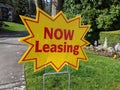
58 34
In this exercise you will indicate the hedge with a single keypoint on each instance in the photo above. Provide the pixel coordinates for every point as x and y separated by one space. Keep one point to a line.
113 37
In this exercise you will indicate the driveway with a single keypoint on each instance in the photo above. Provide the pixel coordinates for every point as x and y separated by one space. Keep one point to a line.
11 73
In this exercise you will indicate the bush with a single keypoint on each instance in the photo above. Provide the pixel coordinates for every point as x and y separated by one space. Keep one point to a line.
1 23
113 37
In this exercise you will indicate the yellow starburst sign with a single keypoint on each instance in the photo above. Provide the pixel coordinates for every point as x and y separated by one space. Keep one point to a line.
54 41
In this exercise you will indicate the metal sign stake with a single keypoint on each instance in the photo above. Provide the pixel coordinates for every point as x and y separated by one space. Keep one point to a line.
55 73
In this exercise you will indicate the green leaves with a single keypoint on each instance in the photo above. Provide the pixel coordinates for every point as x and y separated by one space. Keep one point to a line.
103 15
108 17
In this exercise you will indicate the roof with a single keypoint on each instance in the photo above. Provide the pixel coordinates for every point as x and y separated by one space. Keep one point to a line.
8 6
2 5
5 5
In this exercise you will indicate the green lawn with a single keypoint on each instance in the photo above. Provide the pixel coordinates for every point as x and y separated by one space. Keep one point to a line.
99 73
11 27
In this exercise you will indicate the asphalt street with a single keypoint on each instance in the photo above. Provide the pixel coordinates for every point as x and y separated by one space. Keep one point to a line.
11 73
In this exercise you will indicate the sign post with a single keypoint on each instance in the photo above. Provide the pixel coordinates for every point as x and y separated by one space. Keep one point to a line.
54 41
55 73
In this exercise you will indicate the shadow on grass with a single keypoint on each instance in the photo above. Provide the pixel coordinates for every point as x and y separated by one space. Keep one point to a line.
8 33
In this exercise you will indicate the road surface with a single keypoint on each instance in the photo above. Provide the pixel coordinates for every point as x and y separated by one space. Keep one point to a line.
11 73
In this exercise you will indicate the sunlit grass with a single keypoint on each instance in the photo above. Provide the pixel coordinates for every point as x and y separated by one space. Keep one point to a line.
99 73
11 26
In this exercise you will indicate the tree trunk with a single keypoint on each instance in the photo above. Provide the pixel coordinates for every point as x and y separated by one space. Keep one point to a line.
56 6
36 3
39 4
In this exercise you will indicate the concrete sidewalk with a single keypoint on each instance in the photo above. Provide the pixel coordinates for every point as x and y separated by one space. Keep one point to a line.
11 73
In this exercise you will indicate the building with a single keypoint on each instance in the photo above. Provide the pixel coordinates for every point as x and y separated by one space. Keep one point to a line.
6 12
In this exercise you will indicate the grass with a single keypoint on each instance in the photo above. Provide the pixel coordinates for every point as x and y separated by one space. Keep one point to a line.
12 27
99 73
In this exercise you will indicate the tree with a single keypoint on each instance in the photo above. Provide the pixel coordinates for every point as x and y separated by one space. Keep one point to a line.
1 23
39 4
101 14
31 7
56 6
20 8
6 2
109 18
36 3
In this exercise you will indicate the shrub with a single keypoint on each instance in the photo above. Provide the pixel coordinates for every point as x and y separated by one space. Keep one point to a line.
1 23
113 37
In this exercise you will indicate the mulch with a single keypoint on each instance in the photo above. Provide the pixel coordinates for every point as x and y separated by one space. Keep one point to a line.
106 54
